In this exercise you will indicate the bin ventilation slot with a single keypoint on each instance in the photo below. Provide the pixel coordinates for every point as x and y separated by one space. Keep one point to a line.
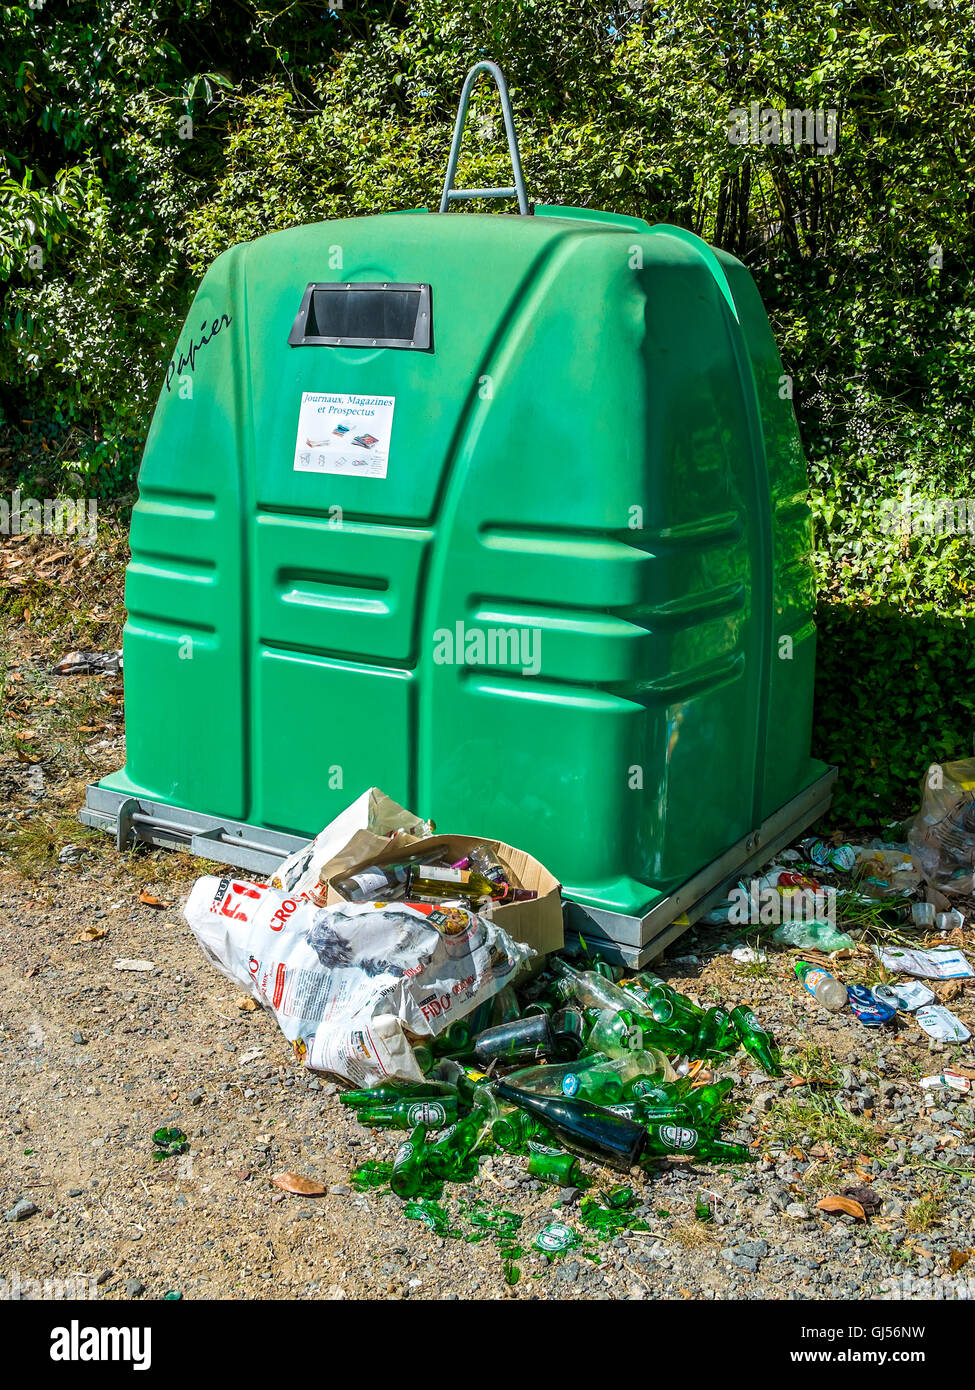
379 315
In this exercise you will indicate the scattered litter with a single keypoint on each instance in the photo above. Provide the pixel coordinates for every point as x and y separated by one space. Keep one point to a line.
907 995
556 1238
824 987
749 955
885 873
942 834
841 857
871 1011
71 854
812 936
134 965
150 899
941 1024
938 963
89 664
946 1080
168 1142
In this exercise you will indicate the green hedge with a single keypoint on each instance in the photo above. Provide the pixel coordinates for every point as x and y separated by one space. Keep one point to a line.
863 257
895 692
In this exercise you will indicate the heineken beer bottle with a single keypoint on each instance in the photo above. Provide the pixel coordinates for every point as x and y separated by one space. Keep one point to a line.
408 1173
435 1112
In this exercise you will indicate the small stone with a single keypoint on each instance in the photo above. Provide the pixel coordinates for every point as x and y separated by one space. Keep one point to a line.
79 1039
798 1211
339 1190
195 1097
21 1210
76 1191
104 1277
740 1261
134 1287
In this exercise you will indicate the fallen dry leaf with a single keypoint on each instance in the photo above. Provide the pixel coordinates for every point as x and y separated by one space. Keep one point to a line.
302 1187
150 899
957 1258
846 1204
90 934
867 1198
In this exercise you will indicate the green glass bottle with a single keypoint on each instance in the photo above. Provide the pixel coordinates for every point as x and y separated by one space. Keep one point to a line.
655 1092
717 1036
393 1092
669 1138
704 1102
513 1131
409 1164
561 1168
450 1156
626 1030
436 1112
584 1127
605 1082
592 990
456 1040
755 1040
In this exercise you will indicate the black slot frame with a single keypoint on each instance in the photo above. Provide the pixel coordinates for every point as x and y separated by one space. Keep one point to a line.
421 341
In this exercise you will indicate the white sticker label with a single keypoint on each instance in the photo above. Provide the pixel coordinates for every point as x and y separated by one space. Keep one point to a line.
344 434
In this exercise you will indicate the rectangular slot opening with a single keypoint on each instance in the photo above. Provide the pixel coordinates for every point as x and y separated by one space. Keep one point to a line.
372 315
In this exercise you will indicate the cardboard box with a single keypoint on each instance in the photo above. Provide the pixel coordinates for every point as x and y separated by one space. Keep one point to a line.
538 922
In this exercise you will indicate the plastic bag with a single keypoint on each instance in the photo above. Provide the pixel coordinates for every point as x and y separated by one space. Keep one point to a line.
942 834
812 936
346 982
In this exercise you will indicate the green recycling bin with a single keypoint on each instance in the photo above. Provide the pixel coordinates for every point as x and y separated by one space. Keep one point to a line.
501 513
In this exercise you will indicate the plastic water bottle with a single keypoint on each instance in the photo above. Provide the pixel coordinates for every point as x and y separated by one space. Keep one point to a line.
823 986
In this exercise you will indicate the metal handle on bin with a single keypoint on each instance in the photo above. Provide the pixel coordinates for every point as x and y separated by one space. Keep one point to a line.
451 193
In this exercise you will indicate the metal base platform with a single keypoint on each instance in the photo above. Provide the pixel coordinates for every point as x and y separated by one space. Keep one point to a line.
131 819
633 941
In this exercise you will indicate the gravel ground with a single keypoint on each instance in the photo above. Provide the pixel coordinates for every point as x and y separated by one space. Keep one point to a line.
95 1058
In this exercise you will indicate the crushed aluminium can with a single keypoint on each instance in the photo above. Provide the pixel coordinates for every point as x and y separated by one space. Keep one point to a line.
871 1011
